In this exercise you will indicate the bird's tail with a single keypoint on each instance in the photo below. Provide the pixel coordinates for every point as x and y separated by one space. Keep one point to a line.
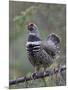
54 38
52 44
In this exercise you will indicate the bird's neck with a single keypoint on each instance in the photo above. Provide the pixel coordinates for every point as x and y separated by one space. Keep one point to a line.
34 33
33 43
33 38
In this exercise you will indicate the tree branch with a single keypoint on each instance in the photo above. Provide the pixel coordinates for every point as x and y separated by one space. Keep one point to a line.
38 75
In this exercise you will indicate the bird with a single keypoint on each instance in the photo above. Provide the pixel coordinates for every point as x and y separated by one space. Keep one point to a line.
41 53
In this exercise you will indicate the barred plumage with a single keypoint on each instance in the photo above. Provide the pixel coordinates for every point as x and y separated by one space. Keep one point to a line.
41 53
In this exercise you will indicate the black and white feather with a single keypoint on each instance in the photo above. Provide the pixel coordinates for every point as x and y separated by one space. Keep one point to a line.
41 52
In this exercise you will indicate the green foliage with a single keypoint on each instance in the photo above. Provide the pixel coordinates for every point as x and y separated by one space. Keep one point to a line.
22 20
50 18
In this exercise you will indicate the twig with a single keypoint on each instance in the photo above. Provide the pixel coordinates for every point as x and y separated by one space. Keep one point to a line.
38 75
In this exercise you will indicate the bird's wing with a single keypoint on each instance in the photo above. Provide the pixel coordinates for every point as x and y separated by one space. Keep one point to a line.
51 45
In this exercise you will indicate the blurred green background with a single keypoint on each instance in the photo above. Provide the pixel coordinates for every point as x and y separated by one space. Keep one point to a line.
50 18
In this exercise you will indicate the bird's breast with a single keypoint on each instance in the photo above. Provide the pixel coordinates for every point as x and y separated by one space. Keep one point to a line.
33 47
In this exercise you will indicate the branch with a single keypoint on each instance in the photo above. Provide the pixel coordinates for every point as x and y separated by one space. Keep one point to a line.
38 75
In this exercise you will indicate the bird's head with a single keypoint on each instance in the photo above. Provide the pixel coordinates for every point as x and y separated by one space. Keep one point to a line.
33 30
32 27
